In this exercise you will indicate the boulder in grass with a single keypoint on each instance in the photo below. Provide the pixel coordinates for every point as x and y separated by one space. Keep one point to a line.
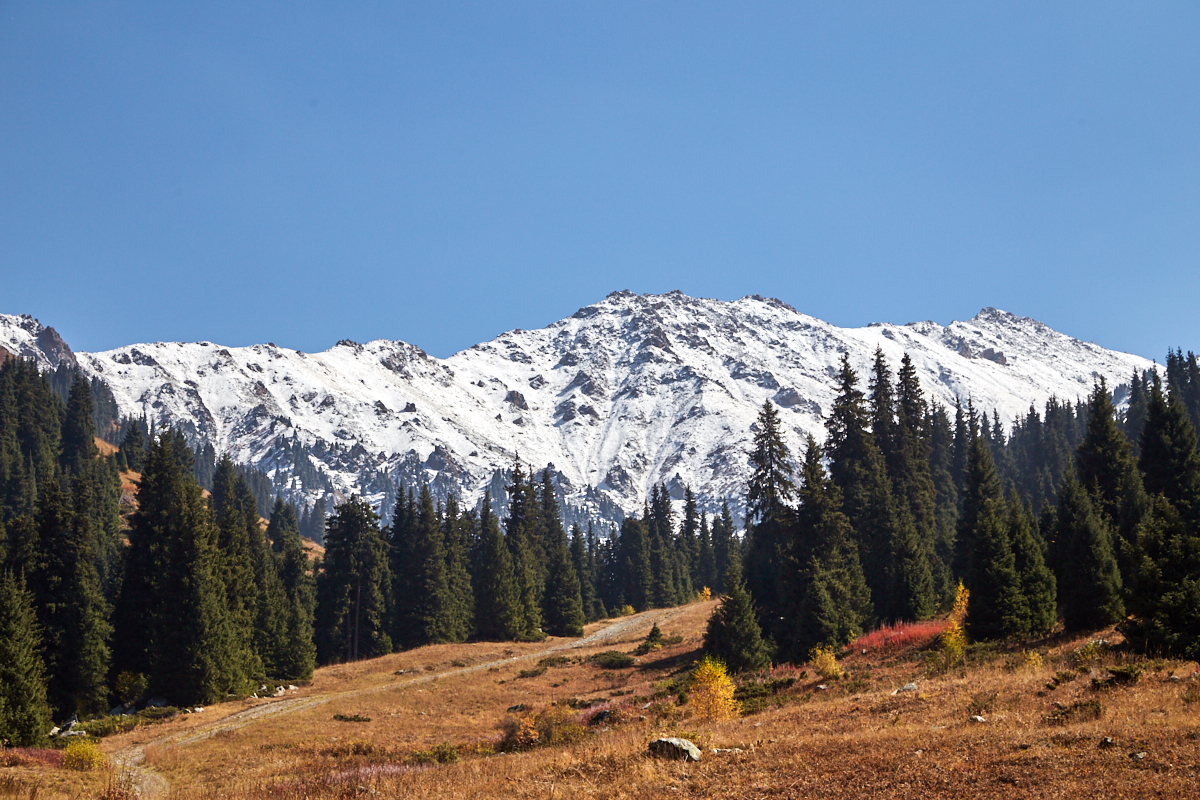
675 749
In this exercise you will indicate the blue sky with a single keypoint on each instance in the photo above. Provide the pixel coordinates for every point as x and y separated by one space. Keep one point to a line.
440 172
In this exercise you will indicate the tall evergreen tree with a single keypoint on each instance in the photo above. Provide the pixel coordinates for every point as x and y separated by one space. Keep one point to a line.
498 611
1164 596
521 529
587 586
562 603
689 541
1038 586
1089 582
352 586
236 515
706 563
24 711
857 467
133 446
1169 461
998 608
725 547
431 608
633 559
170 621
298 657
72 611
769 519
827 600
1107 469
79 431
456 530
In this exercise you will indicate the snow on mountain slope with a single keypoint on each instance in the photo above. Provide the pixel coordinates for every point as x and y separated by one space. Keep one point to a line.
626 393
23 336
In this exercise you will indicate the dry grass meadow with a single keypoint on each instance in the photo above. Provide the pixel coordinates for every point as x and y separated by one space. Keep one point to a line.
435 722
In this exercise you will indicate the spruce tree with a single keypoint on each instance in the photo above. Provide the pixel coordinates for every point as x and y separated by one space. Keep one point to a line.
733 634
725 547
24 711
236 515
1089 582
1135 411
563 605
664 562
170 621
133 446
498 611
689 542
998 609
587 587
71 609
769 519
857 467
431 606
1106 468
352 586
1038 586
633 558
706 568
827 600
79 430
456 533
1169 461
521 533
1164 585
298 658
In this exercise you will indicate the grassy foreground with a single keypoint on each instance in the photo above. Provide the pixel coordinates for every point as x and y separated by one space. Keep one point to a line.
498 720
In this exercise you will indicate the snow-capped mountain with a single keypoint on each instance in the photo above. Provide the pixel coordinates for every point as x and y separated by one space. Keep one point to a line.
629 392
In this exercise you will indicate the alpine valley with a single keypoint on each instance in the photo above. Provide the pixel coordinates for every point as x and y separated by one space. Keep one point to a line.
631 392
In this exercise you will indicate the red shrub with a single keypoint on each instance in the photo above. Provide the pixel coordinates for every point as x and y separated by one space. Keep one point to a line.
899 636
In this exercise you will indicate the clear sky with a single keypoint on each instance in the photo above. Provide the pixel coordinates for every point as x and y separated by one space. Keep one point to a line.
441 172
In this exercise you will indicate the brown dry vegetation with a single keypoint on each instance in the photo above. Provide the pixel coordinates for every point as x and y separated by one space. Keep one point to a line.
854 739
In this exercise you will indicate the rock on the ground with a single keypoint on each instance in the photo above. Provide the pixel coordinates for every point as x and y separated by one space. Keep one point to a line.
675 748
978 720
908 687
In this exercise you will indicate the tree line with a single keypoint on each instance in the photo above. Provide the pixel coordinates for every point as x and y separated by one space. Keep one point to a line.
1081 516
193 598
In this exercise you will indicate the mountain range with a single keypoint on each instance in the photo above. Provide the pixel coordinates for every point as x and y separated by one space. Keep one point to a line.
629 392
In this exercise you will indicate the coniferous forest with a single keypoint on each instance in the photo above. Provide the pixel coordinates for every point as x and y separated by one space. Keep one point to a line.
1078 516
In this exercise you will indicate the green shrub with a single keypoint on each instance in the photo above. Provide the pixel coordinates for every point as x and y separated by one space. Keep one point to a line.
1061 677
531 673
443 753
351 718
1126 675
613 659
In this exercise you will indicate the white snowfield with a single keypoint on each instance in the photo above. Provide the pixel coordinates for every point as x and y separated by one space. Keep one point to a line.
629 392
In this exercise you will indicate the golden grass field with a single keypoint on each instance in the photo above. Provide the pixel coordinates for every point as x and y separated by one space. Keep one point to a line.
854 739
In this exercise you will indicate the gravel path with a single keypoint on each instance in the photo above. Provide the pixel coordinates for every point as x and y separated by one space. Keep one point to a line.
150 784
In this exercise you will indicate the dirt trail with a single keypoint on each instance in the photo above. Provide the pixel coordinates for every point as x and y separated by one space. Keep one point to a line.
150 784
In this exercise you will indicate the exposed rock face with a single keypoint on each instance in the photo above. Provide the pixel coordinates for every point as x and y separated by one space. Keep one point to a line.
25 337
629 392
